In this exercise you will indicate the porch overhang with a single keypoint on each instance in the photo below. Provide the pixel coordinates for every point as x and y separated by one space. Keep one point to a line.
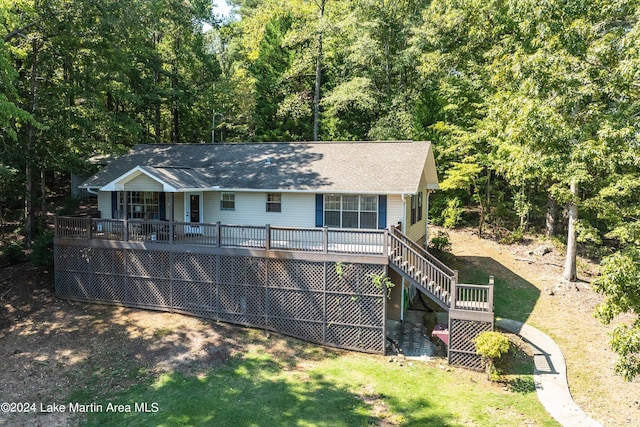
170 179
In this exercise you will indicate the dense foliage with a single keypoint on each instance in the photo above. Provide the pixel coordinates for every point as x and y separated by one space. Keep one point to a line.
533 107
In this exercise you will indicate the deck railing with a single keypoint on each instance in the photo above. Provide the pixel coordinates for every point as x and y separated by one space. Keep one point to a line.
327 240
420 250
473 297
434 276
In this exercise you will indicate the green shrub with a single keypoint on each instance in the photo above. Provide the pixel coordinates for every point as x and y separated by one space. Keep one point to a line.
452 214
515 236
491 346
42 253
13 252
441 242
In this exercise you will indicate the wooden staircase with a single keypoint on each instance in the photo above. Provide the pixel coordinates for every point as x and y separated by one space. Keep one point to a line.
434 278
470 307
427 273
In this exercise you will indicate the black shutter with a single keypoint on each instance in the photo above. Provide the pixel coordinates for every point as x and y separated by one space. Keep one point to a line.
382 212
319 210
114 204
162 201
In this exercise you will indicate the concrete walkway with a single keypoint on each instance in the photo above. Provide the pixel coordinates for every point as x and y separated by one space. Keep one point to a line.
550 375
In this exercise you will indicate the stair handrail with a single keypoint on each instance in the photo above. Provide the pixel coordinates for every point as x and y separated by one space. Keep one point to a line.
450 287
436 267
422 251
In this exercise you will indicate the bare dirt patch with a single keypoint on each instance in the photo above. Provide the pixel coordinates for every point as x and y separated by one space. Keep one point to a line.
51 350
565 312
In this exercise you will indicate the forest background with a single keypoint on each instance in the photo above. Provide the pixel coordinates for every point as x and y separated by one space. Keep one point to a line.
533 106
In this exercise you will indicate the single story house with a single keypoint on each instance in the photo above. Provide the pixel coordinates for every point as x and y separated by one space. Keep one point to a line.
359 185
296 237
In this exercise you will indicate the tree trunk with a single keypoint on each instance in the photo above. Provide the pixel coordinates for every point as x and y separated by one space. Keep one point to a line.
552 216
570 273
43 199
29 209
175 122
156 104
316 95
484 203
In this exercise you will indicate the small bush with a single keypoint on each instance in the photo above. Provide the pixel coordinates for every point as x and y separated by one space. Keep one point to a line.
13 253
516 236
42 254
441 242
491 346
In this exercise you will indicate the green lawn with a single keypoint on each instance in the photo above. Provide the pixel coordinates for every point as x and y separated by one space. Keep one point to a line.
312 386
513 296
346 389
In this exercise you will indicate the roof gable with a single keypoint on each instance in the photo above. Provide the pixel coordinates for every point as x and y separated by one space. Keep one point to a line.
363 167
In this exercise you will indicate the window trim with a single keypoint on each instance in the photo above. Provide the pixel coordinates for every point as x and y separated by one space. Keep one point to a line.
341 210
274 206
416 207
145 200
231 200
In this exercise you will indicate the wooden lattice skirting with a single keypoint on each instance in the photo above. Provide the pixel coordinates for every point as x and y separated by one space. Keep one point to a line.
300 298
462 332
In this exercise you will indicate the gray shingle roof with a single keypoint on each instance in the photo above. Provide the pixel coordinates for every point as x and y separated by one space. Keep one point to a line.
376 167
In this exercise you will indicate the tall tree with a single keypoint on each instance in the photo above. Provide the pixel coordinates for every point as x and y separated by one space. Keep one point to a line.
318 80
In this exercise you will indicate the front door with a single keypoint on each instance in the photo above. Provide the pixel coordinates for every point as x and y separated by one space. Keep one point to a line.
193 212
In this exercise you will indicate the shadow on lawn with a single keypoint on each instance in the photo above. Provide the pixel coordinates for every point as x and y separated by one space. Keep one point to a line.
513 296
256 390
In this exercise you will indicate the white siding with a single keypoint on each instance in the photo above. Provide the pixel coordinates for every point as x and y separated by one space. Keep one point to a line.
178 207
143 183
104 204
395 213
298 210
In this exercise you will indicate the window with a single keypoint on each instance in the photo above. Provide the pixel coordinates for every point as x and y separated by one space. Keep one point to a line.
274 202
416 208
141 204
350 211
332 210
228 201
414 203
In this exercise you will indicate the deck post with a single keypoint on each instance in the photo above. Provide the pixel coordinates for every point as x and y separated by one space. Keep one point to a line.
385 242
490 297
219 234
126 216
89 228
454 289
325 239
267 238
171 217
